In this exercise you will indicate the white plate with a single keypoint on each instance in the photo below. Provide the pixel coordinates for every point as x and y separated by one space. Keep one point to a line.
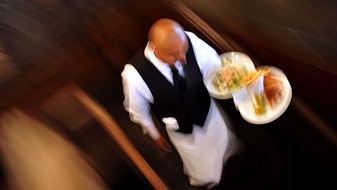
246 109
236 59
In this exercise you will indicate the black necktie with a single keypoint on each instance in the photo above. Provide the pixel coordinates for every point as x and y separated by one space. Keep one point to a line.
179 81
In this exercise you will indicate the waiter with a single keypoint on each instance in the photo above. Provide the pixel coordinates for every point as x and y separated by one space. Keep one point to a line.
166 78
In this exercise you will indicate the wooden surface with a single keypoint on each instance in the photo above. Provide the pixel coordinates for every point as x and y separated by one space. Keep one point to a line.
109 124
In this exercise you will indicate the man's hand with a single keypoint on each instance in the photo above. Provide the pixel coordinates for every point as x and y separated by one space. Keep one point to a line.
163 144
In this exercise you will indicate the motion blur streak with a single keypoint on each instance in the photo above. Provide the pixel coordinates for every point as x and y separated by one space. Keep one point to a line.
35 157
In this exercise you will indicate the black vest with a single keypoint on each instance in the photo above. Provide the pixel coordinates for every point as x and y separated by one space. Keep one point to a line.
190 107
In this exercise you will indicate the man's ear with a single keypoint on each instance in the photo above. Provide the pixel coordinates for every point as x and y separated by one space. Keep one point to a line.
151 45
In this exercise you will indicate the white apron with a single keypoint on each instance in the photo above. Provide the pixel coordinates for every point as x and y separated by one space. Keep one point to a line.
204 151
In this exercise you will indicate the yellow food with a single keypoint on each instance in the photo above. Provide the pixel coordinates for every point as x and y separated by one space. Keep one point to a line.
259 104
254 75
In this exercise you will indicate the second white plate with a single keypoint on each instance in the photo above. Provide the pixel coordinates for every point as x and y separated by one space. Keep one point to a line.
246 109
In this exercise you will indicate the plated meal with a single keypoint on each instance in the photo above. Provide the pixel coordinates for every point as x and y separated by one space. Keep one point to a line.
227 79
270 103
260 94
230 78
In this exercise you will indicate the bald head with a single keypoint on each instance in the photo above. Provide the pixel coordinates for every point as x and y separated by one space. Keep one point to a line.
169 40
164 28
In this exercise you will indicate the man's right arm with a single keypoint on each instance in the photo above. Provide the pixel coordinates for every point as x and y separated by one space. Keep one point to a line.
137 99
137 102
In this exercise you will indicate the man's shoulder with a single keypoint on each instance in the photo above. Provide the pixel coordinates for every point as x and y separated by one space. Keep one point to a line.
128 70
191 34
193 37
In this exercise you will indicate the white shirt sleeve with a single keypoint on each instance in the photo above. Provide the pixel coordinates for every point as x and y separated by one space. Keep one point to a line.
137 99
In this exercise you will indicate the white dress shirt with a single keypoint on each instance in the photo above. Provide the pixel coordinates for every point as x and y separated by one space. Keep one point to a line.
137 94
